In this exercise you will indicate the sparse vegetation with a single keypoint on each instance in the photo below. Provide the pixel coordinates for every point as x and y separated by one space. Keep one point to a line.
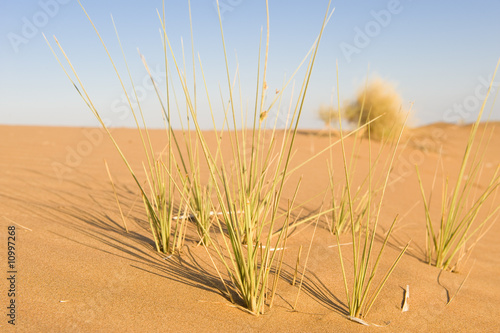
236 203
341 220
361 296
446 245
248 189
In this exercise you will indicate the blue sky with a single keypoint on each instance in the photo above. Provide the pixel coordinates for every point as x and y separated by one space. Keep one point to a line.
439 54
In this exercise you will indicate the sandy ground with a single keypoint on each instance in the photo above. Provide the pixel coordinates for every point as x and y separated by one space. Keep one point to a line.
78 270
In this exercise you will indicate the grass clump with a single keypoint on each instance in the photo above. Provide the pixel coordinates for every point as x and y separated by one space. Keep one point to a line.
250 192
365 262
446 244
378 98
171 182
248 184
341 220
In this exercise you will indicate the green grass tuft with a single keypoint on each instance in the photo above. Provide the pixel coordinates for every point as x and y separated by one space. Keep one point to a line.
446 244
362 295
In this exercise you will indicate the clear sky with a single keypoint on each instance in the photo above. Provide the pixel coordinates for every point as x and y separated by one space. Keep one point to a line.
439 54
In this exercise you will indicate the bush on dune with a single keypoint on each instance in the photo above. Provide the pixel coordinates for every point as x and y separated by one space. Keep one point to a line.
328 114
379 98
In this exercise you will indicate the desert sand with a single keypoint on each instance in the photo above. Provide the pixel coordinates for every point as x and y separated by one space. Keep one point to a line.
79 271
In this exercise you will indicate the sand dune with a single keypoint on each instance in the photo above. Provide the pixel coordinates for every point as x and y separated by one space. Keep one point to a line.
78 270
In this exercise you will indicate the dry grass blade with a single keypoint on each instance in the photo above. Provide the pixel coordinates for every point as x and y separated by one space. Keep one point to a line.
116 196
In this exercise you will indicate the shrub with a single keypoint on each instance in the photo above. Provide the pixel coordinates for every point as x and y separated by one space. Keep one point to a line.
328 114
379 98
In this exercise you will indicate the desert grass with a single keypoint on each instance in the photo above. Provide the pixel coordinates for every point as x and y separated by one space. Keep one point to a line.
249 194
362 194
166 192
362 295
243 227
447 243
249 189
116 196
200 194
340 218
362 115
